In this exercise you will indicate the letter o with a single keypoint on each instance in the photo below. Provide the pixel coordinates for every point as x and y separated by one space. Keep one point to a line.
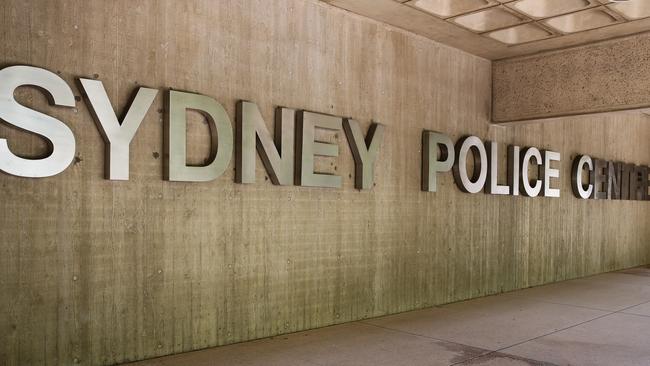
479 176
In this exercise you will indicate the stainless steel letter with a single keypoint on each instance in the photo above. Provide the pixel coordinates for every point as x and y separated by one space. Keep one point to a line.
599 180
613 180
364 151
308 148
479 175
432 164
645 182
492 185
220 129
547 172
579 189
626 174
530 190
513 169
117 136
250 124
636 183
59 136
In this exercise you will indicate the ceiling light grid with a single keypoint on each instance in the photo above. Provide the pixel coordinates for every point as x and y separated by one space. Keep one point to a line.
516 22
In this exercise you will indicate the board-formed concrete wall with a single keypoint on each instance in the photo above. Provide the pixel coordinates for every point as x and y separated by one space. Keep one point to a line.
100 272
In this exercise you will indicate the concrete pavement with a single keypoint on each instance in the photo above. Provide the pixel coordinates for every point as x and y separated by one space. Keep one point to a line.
598 320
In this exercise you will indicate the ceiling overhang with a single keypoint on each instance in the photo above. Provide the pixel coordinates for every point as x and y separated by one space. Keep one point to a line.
497 29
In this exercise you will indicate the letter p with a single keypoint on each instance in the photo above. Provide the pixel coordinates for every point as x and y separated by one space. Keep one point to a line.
437 156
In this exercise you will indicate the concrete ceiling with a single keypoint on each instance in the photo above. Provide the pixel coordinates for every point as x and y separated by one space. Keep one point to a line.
497 29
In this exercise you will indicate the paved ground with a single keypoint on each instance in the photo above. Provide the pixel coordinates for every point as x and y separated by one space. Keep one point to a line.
599 320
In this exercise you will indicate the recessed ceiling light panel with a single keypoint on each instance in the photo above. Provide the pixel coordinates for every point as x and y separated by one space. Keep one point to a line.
550 8
450 8
489 19
528 32
581 21
633 9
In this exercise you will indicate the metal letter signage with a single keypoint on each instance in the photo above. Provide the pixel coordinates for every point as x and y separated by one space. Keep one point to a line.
220 130
117 136
434 162
290 154
626 172
531 188
479 176
514 161
579 189
645 183
610 180
547 172
599 179
613 180
251 128
485 172
308 147
492 186
59 136
364 151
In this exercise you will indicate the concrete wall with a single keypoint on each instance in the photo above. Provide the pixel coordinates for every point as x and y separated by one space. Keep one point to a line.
100 272
595 78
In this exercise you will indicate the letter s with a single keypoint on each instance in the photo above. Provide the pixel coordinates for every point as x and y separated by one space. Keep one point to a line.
59 136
